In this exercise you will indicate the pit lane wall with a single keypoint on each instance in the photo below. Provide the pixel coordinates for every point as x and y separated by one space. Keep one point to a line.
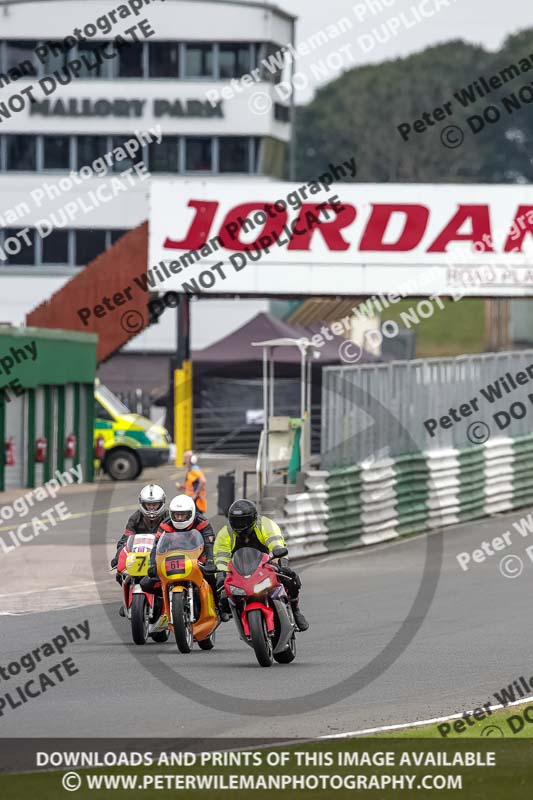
381 500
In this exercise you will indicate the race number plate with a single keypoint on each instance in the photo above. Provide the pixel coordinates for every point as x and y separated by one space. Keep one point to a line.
138 563
175 565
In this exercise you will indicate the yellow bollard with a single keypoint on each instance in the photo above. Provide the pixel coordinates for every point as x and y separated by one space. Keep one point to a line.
183 410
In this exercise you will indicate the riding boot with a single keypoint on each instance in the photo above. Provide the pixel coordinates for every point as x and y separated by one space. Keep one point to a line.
224 609
221 600
122 610
301 622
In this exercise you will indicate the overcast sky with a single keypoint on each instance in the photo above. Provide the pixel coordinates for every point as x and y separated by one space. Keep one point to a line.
477 21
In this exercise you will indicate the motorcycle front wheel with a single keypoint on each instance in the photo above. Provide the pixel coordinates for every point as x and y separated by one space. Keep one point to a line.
289 654
182 623
140 613
260 639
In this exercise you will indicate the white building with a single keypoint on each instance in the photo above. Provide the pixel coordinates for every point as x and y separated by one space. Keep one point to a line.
186 49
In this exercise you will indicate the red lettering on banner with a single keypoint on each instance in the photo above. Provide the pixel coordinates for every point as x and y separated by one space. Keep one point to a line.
330 229
198 233
236 220
515 245
416 218
330 221
480 229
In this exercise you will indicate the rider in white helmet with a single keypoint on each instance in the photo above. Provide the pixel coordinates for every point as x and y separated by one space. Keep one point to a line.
183 516
152 510
182 513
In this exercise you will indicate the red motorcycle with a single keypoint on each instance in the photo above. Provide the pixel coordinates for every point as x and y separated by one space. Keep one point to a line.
133 563
260 605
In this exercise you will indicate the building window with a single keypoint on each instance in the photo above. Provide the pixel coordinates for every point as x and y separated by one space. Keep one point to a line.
89 149
281 113
234 154
276 62
164 156
95 66
55 248
117 234
61 247
164 59
198 155
20 55
226 154
130 61
56 152
56 57
256 54
160 59
199 60
234 60
90 242
26 256
256 155
21 153
128 162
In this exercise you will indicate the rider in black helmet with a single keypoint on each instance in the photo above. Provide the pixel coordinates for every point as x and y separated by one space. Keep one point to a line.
245 529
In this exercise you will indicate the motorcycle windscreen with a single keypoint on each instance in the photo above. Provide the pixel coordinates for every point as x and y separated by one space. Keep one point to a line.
246 560
180 540
140 542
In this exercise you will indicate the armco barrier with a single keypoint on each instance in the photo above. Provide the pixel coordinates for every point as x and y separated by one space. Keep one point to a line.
380 500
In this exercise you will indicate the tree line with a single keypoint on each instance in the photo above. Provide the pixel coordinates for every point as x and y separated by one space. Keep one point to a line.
359 112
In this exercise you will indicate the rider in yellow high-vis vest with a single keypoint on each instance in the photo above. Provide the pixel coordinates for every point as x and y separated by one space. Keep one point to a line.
245 529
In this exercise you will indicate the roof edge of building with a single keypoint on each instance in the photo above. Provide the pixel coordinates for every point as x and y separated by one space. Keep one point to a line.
250 3
48 333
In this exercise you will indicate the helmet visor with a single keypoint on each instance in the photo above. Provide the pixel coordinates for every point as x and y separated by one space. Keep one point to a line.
157 506
181 516
242 522
153 509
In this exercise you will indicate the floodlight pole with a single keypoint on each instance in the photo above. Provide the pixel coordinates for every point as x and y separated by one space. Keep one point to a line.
264 459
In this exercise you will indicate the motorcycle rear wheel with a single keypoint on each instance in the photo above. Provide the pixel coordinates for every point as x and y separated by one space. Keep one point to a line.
260 639
140 612
289 654
182 623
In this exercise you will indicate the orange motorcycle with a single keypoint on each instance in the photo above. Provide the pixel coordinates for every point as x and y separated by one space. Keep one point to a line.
187 597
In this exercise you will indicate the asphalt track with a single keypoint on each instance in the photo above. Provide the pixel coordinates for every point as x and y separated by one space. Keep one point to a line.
473 640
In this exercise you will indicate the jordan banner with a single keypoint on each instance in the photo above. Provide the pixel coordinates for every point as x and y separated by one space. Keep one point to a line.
329 236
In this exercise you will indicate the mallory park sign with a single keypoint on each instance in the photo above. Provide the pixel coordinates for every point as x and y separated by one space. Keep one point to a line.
120 107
